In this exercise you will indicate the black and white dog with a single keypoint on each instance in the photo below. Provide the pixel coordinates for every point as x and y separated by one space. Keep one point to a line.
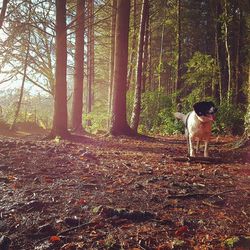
198 125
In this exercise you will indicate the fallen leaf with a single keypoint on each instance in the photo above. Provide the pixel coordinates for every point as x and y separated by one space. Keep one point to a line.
54 239
181 230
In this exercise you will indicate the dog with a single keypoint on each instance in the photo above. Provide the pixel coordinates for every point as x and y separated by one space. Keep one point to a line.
198 125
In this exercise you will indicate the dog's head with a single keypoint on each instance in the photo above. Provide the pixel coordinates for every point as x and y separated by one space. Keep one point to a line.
205 111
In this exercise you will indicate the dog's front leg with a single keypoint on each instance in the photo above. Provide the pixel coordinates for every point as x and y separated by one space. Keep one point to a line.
206 149
191 148
198 146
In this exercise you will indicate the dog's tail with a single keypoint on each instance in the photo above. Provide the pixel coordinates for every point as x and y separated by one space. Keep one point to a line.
180 116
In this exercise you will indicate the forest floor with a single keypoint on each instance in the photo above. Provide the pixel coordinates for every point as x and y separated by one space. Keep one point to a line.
122 193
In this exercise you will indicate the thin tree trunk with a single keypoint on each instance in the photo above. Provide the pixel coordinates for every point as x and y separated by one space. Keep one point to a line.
60 127
216 84
237 59
160 57
119 125
24 73
133 48
112 54
77 103
90 58
3 12
219 53
151 87
178 76
23 81
145 54
228 54
135 118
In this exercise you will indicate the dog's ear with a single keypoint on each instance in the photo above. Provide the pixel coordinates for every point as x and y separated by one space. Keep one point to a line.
199 108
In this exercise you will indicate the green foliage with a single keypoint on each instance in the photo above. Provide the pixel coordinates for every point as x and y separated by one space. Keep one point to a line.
201 71
237 242
157 114
230 119
98 119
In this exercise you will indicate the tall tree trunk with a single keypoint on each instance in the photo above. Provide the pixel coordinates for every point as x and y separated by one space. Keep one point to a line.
228 53
135 118
3 11
247 117
90 58
119 125
238 58
160 57
60 101
216 84
77 103
145 54
112 54
179 52
220 52
133 48
25 67
151 87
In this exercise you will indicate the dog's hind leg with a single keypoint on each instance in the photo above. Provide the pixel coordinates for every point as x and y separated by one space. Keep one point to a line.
206 149
198 146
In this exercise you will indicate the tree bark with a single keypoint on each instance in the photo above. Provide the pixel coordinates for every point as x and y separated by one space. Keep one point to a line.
112 54
90 58
60 101
228 53
135 118
133 48
23 81
160 57
145 54
24 71
77 103
179 51
119 125
3 12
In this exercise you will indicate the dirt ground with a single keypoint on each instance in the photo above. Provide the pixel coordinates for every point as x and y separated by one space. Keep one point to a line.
122 193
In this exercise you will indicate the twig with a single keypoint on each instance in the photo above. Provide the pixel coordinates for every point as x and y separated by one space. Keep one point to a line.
70 229
198 159
203 194
76 227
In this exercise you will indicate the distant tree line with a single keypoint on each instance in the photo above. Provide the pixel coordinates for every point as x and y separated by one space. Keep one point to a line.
124 66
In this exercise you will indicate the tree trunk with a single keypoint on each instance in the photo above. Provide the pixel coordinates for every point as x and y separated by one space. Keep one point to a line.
23 81
24 71
178 76
3 11
145 54
228 53
238 77
60 101
151 87
220 52
90 58
77 103
112 54
160 57
135 118
133 48
119 125
247 117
